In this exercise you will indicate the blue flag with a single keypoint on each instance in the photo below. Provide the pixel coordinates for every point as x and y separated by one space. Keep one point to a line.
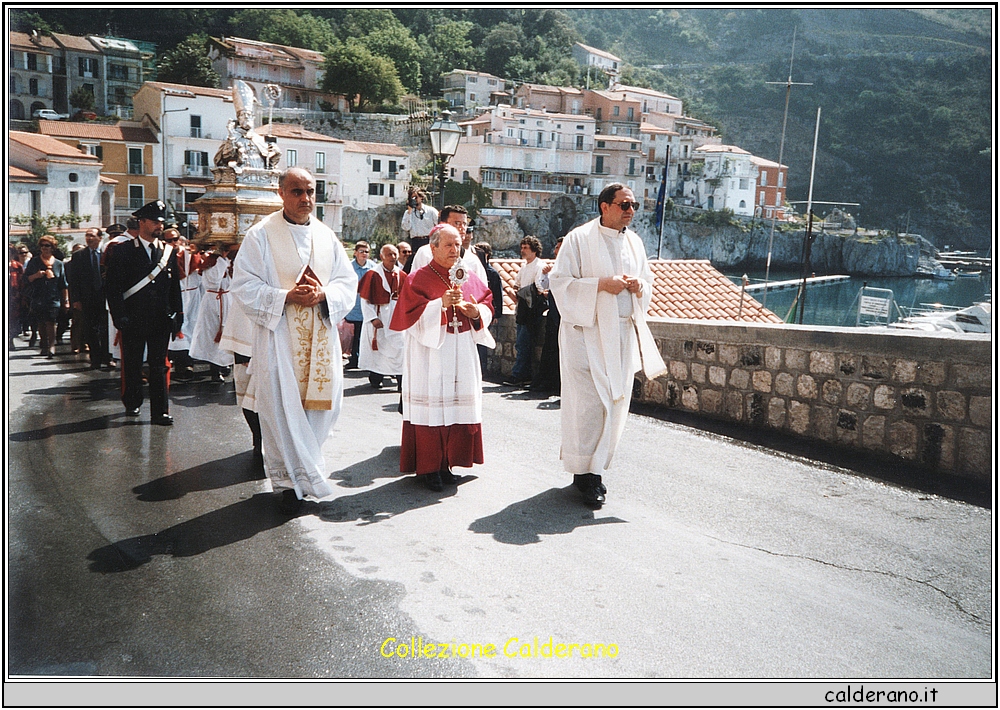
661 197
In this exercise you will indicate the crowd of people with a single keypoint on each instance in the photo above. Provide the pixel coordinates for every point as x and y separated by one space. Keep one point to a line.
287 311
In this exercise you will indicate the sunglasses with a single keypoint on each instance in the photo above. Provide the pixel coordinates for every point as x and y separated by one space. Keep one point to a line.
626 205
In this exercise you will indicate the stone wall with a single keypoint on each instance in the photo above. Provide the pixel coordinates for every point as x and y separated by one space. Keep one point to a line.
923 398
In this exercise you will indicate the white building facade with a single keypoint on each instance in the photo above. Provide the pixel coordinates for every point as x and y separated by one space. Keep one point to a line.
727 180
48 177
525 156
320 155
373 175
468 90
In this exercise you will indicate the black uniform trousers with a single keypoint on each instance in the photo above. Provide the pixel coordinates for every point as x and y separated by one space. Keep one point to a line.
94 322
153 339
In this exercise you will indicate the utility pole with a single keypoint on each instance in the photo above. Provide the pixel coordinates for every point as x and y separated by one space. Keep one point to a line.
781 154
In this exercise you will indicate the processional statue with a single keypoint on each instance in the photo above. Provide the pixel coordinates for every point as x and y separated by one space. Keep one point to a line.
245 177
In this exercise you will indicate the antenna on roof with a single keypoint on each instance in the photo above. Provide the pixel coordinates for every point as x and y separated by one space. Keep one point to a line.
781 152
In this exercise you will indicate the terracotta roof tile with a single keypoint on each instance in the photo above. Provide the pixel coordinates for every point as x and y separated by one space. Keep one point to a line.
197 90
291 130
379 148
21 175
122 131
50 146
687 288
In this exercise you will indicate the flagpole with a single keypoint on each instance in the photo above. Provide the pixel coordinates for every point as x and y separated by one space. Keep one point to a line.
663 201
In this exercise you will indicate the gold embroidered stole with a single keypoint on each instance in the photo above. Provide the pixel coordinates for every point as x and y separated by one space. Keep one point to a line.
312 356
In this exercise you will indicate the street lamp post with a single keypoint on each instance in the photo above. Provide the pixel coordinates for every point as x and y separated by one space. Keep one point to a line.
444 134
163 148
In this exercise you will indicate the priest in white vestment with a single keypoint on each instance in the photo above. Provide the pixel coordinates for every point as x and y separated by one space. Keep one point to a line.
294 282
444 314
237 338
189 262
602 283
381 348
216 277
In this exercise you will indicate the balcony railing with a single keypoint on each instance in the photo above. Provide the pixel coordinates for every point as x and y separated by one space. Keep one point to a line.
136 169
196 171
528 143
129 203
513 186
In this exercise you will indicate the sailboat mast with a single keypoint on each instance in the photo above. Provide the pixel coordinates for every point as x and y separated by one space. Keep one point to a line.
807 244
781 155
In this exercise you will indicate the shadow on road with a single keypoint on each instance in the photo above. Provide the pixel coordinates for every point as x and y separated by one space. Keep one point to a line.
206 477
112 421
364 473
239 521
557 511
384 502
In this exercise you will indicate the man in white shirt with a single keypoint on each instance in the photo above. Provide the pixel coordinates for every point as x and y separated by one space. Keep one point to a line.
603 284
418 221
294 282
458 217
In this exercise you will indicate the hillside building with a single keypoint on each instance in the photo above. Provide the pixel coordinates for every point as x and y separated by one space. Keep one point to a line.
373 175
320 155
526 157
128 152
772 181
726 179
46 70
190 124
467 91
35 62
298 71
48 177
606 62
554 99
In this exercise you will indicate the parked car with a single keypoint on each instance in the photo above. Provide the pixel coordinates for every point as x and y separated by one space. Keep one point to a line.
47 114
83 115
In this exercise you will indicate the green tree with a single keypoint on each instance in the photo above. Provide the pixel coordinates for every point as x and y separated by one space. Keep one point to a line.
23 21
395 43
359 22
82 98
501 44
188 63
351 70
285 27
470 194
446 47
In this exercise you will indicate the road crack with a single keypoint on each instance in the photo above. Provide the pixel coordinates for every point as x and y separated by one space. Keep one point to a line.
926 583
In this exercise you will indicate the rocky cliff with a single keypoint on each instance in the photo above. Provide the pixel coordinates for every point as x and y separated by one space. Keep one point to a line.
831 253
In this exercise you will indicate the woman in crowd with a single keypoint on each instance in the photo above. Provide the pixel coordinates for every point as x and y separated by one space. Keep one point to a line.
49 292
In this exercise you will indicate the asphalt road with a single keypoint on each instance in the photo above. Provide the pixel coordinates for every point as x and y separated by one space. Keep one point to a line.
144 551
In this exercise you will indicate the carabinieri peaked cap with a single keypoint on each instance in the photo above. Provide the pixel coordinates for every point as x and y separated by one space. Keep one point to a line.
156 211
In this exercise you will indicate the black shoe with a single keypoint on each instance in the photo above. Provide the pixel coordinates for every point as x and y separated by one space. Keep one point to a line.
163 420
289 503
131 411
432 481
515 382
447 477
590 486
375 381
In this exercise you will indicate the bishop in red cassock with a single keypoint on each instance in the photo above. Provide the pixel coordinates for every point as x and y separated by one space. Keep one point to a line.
443 322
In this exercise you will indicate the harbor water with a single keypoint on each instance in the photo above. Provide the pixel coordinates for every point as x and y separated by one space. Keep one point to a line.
836 303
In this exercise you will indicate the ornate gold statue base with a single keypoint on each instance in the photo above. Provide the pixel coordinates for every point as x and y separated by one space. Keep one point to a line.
233 203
